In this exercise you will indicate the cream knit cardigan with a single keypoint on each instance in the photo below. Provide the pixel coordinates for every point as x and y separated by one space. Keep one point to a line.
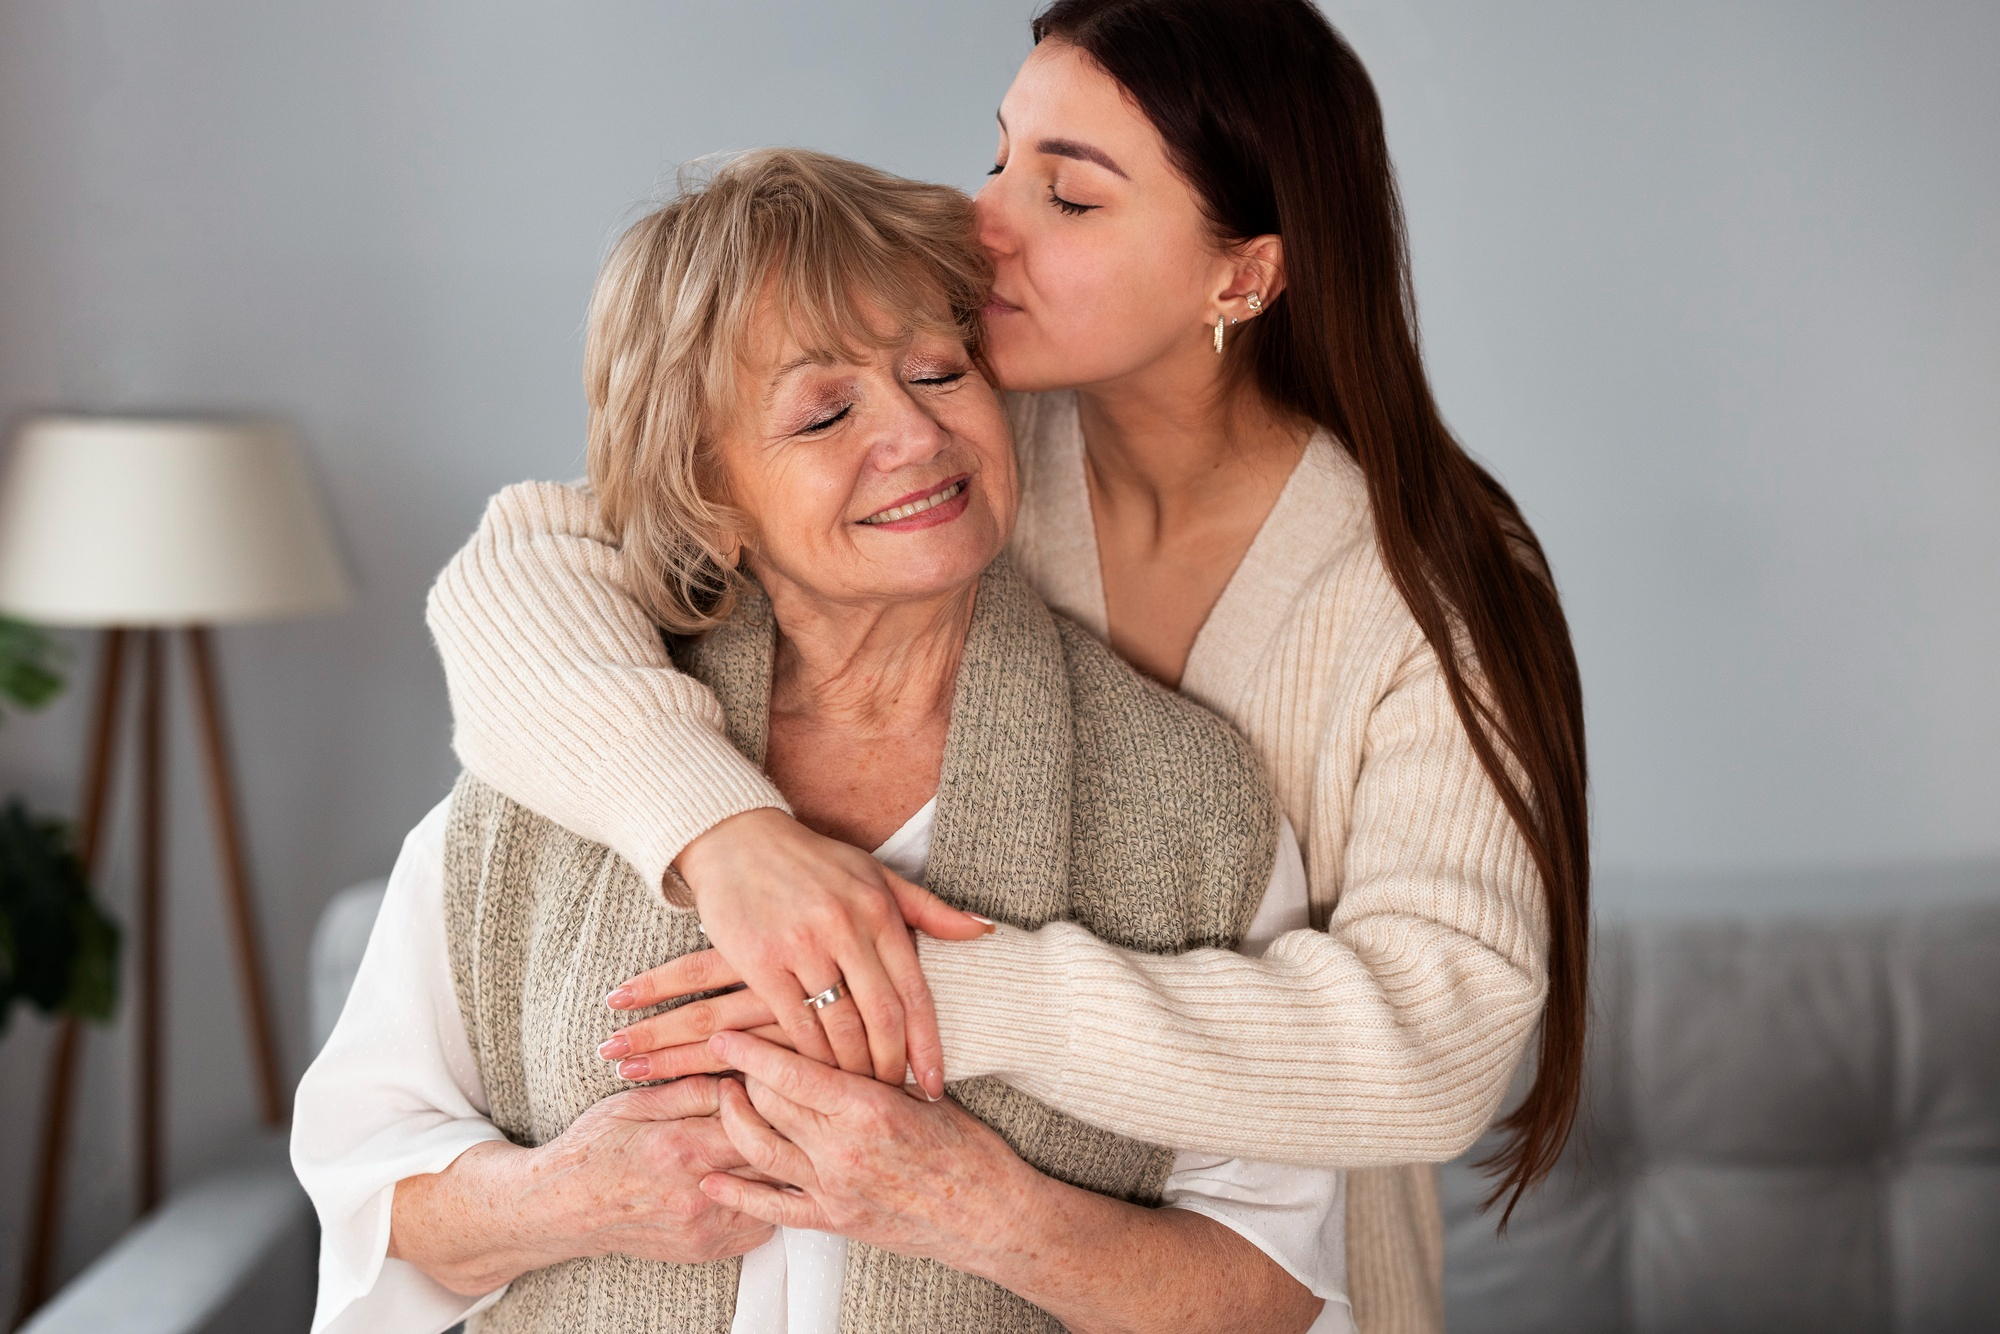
1382 1041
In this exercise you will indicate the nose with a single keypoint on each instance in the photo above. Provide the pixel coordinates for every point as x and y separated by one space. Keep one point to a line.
989 213
910 434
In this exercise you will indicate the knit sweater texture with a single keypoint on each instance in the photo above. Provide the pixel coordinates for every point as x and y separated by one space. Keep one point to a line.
1072 790
1383 1040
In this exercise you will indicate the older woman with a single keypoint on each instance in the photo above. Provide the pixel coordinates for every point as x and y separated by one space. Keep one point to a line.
816 483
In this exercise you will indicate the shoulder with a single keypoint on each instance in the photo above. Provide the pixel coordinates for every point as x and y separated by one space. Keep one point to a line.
526 510
1047 434
1168 793
1347 613
476 807
1032 415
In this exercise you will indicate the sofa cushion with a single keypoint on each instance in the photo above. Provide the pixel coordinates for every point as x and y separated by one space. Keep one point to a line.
1787 1126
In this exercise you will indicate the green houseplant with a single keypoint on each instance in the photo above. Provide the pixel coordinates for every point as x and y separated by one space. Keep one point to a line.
58 950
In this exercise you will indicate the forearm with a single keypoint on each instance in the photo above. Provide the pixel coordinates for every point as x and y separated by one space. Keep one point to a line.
562 693
1102 1266
1392 1043
482 1222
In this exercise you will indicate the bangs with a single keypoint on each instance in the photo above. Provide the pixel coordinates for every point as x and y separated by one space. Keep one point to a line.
853 261
835 313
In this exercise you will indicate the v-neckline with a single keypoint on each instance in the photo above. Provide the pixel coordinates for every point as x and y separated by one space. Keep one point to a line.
1260 591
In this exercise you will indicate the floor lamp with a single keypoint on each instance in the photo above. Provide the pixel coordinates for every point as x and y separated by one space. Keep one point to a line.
152 531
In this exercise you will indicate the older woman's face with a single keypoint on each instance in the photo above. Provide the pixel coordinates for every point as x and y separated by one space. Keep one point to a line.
886 479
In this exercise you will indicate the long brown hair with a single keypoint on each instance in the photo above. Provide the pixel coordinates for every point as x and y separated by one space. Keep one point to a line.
1272 120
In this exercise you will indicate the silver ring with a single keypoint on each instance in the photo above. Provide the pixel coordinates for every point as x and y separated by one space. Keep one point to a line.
836 992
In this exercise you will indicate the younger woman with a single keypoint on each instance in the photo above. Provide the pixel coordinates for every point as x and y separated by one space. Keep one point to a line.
1235 474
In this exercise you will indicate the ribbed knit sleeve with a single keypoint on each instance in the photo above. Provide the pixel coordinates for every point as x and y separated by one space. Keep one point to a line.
562 693
1388 1038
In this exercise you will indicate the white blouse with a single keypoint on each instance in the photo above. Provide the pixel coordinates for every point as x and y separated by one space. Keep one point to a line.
396 1093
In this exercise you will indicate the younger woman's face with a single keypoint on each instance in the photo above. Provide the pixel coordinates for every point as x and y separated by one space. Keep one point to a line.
1103 262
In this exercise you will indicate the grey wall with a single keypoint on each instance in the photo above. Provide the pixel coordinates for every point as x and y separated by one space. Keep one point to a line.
1715 287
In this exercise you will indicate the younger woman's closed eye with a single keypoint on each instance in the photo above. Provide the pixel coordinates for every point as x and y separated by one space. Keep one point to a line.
1070 206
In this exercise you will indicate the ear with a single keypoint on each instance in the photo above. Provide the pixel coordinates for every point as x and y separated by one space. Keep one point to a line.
1255 266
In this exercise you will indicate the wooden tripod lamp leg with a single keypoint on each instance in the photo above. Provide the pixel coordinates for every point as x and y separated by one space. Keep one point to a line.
235 876
151 1000
45 1226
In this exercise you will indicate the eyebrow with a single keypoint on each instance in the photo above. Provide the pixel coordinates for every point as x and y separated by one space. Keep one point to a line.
1074 149
795 365
784 372
1070 148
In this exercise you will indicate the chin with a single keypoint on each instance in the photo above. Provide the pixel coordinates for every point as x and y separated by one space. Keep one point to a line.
1025 364
948 562
1026 370
1017 358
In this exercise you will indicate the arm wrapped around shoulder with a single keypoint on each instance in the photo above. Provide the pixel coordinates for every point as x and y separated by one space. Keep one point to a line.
562 693
1390 1037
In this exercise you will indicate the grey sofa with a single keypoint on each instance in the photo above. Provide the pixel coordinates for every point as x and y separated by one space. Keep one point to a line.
1789 1126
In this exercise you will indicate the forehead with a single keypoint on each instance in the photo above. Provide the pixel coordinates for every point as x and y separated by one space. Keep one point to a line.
785 339
1062 93
786 332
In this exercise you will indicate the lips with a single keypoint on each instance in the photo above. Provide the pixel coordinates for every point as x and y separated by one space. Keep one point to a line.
911 508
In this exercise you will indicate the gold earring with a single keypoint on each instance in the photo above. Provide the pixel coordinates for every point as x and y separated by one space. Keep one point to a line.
1218 335
1256 303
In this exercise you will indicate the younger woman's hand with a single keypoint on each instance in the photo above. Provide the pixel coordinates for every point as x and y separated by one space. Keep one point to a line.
674 1043
794 913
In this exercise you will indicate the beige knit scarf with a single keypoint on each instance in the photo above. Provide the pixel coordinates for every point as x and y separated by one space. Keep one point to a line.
1072 790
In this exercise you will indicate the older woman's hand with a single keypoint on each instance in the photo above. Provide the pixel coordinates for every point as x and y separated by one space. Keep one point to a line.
928 1179
624 1178
866 1160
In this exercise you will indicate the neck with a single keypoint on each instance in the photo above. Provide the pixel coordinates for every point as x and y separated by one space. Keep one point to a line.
867 668
1176 438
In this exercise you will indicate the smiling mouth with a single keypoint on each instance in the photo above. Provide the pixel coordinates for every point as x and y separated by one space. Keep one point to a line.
949 491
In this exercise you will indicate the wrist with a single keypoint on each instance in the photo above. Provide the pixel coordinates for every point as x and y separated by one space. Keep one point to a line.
553 1215
453 1226
1019 1215
703 862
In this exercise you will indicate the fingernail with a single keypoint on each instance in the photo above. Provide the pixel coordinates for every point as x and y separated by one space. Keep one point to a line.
620 999
615 1046
636 1068
987 922
933 1084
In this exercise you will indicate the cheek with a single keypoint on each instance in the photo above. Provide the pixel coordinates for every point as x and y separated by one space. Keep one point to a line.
976 419
1107 303
796 501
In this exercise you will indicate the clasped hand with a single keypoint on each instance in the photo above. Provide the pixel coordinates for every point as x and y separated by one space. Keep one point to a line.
861 1158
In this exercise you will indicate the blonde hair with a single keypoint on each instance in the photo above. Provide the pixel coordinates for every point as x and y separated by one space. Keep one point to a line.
670 319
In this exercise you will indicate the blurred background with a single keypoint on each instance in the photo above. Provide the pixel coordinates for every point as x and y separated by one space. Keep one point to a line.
1713 287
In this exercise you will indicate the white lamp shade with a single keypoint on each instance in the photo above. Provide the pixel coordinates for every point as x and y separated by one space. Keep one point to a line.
124 521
